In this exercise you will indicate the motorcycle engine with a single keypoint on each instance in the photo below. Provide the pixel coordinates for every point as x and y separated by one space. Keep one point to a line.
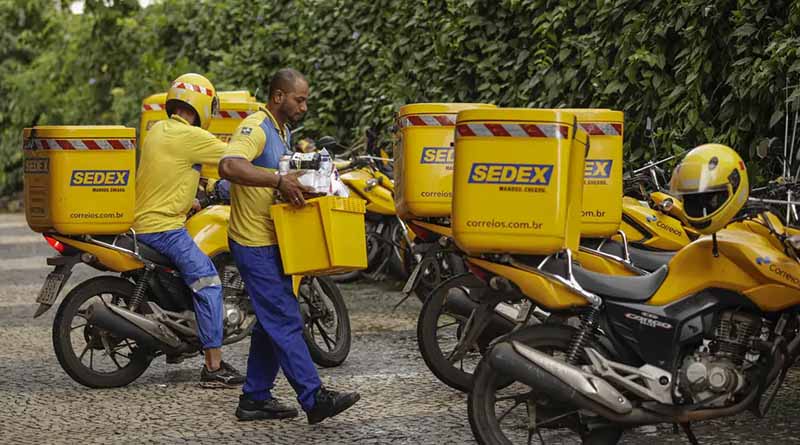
232 297
717 371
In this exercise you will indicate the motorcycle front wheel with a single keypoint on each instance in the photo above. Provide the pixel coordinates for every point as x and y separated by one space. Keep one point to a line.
92 356
326 320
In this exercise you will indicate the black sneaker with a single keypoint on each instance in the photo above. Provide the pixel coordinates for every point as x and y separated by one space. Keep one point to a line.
263 409
330 403
225 377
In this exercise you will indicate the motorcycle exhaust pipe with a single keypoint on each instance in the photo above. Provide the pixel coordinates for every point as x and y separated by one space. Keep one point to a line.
128 324
571 385
459 303
557 379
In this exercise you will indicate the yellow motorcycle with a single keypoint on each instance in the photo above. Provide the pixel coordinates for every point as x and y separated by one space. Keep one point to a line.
708 336
110 327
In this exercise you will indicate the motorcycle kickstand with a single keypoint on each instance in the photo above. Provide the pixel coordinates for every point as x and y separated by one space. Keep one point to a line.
687 428
476 323
402 300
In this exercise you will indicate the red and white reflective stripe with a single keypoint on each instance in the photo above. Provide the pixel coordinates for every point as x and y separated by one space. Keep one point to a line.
514 130
81 144
193 87
441 120
602 129
233 114
152 107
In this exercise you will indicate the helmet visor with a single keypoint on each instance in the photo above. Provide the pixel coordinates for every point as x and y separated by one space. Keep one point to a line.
698 177
701 205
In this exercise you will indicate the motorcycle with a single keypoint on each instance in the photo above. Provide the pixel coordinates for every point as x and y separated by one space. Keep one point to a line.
109 328
710 336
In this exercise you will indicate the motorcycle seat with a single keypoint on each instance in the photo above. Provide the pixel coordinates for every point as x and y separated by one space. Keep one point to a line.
126 242
623 288
649 260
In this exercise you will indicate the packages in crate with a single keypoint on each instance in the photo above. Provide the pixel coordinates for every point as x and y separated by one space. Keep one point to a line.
602 183
518 181
323 237
79 179
424 158
234 106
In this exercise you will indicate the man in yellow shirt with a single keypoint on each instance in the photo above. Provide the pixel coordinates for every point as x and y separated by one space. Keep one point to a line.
251 164
166 184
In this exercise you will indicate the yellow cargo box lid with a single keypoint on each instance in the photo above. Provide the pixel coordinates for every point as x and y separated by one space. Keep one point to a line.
227 100
596 115
81 131
439 108
516 114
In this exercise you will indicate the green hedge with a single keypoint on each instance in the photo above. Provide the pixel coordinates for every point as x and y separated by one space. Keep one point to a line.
704 71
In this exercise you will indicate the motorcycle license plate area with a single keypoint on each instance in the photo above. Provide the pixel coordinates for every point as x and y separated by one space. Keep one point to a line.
49 291
79 179
424 158
518 181
602 180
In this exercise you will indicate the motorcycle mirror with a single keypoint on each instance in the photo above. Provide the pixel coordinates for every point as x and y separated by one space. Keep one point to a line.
328 142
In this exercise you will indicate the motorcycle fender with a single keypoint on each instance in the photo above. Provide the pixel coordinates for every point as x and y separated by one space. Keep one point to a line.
111 259
209 229
296 280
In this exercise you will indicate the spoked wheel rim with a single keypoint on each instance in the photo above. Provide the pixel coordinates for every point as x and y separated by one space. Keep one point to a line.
450 329
525 417
322 322
97 350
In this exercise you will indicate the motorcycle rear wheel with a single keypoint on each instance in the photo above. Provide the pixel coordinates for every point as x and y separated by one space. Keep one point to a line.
125 363
488 398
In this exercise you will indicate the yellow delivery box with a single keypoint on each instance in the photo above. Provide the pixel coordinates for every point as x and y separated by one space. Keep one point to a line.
233 107
79 179
602 182
424 158
518 181
323 237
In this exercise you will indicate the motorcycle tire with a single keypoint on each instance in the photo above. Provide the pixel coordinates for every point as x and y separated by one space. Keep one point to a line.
63 332
428 334
481 404
318 312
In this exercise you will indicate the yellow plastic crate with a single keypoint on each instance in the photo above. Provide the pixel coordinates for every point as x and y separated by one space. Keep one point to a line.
79 179
234 106
424 158
325 236
602 189
518 181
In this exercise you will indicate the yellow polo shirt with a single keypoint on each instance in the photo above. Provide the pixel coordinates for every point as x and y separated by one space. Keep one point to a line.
169 171
251 223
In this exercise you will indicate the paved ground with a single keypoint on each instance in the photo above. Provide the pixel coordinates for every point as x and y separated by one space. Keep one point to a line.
402 402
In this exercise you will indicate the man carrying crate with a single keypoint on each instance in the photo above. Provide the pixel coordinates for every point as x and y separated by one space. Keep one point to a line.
251 164
166 183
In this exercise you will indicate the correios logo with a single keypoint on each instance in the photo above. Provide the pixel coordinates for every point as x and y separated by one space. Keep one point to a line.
777 270
508 174
437 155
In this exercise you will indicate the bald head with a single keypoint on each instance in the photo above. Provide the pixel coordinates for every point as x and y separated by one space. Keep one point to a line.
286 80
288 96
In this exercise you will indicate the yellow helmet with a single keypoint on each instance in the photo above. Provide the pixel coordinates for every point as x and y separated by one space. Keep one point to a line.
712 182
198 93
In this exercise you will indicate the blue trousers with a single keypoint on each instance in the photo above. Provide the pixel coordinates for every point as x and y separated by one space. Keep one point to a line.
277 340
199 273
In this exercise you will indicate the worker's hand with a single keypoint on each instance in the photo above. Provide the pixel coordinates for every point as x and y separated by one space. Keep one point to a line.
291 189
196 206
